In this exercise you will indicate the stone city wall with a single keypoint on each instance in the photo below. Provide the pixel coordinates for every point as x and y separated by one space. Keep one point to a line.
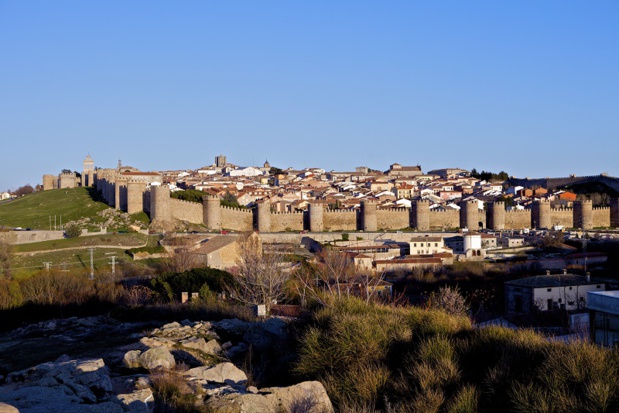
518 219
337 220
286 221
444 219
393 218
562 216
601 217
237 219
186 211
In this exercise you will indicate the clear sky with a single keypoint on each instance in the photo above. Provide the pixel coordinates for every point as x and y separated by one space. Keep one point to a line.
529 87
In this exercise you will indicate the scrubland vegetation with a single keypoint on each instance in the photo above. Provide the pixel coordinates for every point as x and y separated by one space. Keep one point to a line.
375 357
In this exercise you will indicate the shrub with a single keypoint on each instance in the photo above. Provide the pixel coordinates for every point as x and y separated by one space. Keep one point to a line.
170 285
72 230
450 300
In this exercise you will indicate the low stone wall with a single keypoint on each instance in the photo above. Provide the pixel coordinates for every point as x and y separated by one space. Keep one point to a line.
27 237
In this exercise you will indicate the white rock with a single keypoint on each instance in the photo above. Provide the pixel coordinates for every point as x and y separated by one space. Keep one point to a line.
157 357
224 373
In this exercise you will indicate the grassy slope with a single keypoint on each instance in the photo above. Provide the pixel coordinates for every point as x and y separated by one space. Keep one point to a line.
34 210
73 253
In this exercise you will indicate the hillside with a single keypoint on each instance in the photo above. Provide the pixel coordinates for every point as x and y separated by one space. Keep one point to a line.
44 209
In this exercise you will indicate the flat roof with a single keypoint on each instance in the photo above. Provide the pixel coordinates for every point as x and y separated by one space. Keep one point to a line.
603 301
554 280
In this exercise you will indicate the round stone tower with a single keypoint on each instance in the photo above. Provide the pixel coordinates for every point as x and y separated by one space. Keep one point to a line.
421 215
469 214
495 215
135 196
316 217
540 214
211 212
160 204
120 193
368 215
583 214
614 213
263 223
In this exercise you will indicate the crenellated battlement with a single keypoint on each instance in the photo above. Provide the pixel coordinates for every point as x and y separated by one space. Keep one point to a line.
244 210
340 211
184 201
398 209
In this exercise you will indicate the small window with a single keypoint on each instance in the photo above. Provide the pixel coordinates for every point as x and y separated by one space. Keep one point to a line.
598 286
559 300
549 289
570 288
582 299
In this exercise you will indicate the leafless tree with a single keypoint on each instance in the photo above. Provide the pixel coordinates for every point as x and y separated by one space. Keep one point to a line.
180 256
6 253
450 300
260 276
334 276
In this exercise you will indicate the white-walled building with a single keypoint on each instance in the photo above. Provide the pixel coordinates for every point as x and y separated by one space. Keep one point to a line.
549 292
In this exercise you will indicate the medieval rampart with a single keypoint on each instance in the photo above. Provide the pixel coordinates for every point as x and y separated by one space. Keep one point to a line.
340 220
562 216
393 218
444 219
601 217
134 196
518 219
554 183
186 211
237 219
286 221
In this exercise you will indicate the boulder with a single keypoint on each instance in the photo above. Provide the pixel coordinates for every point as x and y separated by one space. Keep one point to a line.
7 408
139 401
157 342
132 359
237 351
170 326
212 347
307 397
157 357
224 373
232 327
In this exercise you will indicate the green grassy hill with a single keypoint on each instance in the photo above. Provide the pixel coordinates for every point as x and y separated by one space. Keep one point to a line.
37 210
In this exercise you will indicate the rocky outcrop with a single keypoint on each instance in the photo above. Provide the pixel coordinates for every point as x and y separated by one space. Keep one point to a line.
63 386
222 373
88 385
309 397
157 358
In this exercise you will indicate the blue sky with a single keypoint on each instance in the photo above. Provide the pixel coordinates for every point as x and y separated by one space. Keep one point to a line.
529 87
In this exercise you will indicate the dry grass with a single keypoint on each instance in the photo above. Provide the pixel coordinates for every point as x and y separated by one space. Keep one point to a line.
429 361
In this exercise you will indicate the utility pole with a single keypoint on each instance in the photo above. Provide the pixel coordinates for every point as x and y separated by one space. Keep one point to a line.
92 267
47 266
113 264
584 249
